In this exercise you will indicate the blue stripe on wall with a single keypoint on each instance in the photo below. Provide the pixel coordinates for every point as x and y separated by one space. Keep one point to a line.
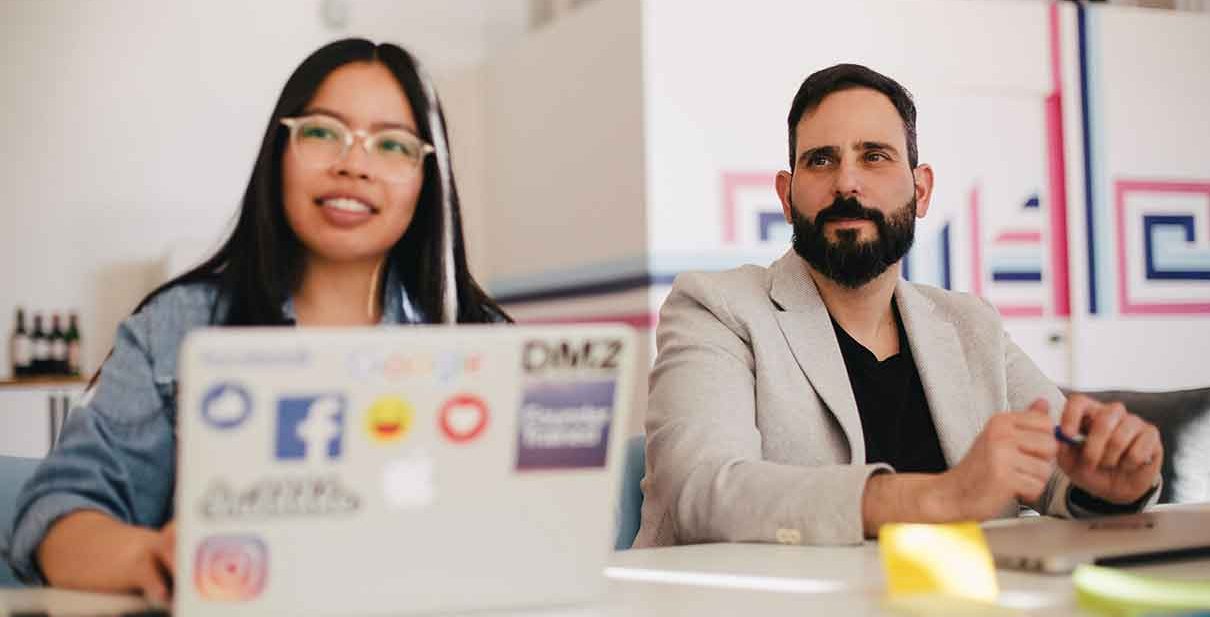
946 282
594 288
1009 276
1085 122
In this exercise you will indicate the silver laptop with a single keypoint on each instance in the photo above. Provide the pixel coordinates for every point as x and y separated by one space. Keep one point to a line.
1045 544
398 470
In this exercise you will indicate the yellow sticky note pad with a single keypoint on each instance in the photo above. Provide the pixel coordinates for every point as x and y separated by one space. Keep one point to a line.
950 560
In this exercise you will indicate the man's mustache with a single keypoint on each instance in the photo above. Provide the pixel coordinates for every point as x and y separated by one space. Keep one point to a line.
847 208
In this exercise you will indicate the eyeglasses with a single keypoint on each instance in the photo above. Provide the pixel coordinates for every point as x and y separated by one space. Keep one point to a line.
320 141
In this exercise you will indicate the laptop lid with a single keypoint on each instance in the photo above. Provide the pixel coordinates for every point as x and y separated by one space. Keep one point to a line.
397 470
1053 545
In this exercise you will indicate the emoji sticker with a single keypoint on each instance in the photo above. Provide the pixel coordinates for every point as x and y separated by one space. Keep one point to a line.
463 418
389 419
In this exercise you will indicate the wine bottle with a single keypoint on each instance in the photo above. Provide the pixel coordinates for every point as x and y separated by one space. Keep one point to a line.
72 337
20 351
41 348
58 347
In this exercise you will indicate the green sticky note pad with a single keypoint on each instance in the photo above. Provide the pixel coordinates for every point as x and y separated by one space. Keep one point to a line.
1113 592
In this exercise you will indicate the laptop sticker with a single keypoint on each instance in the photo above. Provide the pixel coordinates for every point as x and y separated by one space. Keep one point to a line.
310 428
407 483
564 424
226 405
389 419
572 357
280 498
396 366
463 418
231 568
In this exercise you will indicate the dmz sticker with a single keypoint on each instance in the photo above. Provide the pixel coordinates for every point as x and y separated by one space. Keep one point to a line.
231 568
564 424
226 405
310 428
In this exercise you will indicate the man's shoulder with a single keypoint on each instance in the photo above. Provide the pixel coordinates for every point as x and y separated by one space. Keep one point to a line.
747 277
737 288
960 307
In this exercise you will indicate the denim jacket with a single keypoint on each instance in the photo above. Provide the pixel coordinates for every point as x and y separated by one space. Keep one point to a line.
117 453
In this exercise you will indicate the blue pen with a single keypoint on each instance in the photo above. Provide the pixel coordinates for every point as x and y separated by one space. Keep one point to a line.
1076 440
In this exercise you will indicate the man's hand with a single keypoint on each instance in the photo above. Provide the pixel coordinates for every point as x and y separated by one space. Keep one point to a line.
1121 456
1011 460
90 551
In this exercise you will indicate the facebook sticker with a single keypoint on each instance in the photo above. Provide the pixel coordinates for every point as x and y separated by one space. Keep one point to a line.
310 428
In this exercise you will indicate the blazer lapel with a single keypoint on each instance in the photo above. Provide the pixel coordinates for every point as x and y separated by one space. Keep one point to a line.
943 370
808 330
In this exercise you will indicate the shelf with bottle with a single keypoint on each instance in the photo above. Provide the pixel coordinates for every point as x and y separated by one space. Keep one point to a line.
42 356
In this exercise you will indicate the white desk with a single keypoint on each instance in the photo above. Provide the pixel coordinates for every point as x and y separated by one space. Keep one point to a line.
715 579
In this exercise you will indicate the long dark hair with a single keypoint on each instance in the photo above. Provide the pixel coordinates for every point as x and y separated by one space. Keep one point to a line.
261 262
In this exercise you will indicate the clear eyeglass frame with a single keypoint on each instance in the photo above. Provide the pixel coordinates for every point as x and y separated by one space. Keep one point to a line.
368 140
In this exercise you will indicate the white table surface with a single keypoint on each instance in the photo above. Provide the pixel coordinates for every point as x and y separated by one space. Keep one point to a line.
716 579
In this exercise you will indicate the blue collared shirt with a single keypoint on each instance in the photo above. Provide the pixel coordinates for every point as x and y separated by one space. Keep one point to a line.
117 453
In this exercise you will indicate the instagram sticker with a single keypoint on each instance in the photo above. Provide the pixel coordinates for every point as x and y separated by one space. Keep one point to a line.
231 568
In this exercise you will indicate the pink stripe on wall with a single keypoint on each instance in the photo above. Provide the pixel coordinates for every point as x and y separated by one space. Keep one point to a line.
1025 310
1060 274
1019 237
1056 59
732 182
642 321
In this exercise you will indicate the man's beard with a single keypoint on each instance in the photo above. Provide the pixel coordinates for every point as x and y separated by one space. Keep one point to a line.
847 260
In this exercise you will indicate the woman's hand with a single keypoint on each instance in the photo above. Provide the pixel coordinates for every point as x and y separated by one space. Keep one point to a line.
91 551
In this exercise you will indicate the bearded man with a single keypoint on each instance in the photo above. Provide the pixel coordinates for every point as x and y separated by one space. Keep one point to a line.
814 400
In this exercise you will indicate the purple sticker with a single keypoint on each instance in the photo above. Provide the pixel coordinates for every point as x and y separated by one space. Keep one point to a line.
564 424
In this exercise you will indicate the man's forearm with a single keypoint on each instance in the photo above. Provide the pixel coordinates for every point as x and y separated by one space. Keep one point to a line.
904 498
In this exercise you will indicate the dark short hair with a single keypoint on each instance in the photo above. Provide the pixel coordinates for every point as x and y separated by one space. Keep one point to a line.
840 77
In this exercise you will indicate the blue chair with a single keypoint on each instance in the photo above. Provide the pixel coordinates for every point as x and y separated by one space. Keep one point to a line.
14 471
630 506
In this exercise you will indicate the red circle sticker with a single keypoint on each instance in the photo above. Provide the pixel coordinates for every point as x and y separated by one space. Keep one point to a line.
463 418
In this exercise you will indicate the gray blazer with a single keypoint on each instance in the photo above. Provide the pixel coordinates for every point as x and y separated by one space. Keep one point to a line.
752 429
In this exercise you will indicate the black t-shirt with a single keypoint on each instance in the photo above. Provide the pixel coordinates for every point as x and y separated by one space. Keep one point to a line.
895 417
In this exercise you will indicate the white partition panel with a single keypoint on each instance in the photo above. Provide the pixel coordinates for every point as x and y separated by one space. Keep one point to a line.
1141 190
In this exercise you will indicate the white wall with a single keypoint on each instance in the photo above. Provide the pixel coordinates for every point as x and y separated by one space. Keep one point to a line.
1148 90
565 144
131 125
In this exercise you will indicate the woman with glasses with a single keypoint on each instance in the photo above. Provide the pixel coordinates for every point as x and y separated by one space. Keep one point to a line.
350 218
